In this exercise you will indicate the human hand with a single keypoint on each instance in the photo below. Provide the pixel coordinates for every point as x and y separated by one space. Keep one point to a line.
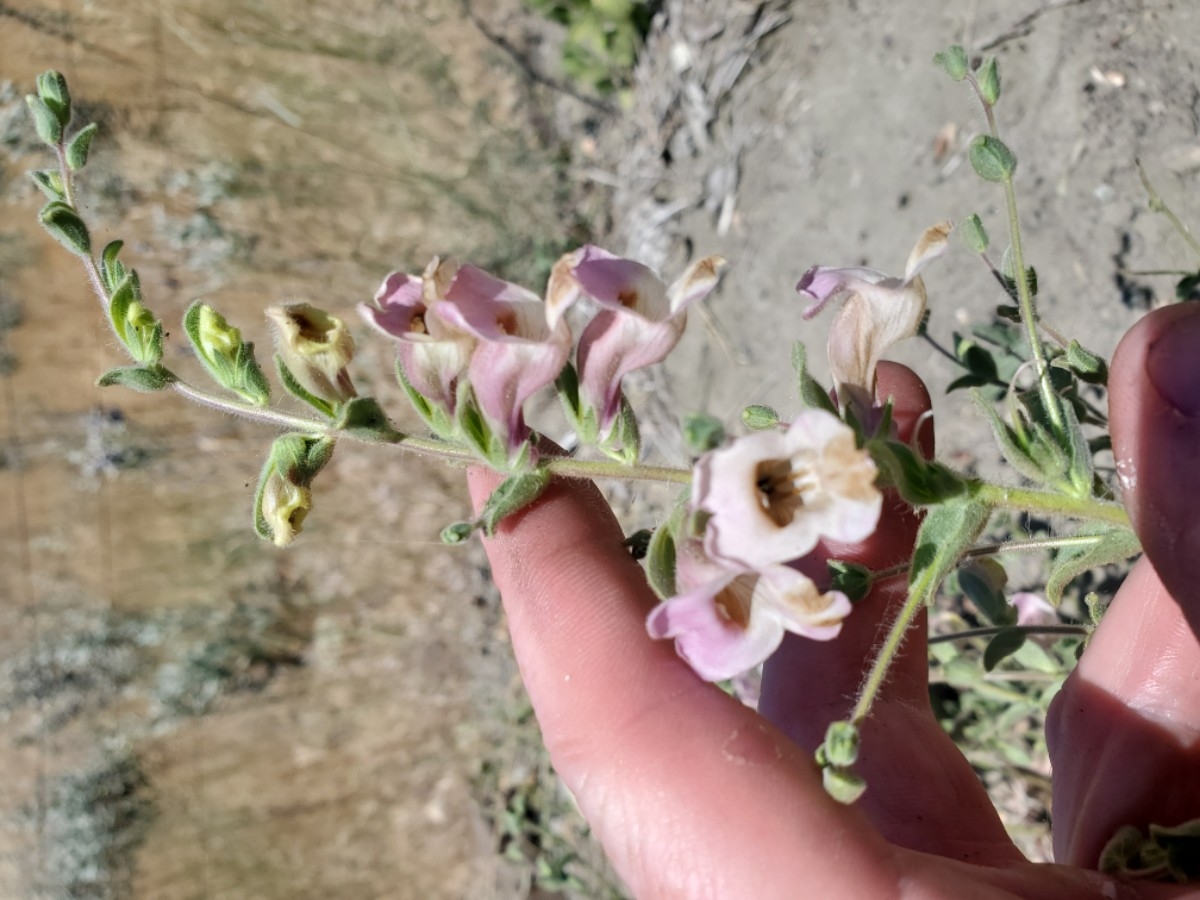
694 795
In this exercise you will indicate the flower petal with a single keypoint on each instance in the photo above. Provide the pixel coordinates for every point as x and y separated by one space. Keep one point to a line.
695 283
715 647
621 284
932 244
794 600
773 495
614 344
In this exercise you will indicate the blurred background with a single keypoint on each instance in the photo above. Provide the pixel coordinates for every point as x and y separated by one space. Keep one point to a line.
187 712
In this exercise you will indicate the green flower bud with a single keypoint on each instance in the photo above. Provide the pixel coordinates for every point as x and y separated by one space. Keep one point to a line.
229 360
954 60
991 159
850 578
458 532
52 90
973 234
284 495
759 417
1089 366
841 744
842 785
701 433
316 347
989 81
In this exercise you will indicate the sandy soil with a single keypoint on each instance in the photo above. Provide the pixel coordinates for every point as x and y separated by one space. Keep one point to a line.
190 713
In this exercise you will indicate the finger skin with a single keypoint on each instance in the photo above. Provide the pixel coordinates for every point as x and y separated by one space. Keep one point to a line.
922 793
671 772
1124 733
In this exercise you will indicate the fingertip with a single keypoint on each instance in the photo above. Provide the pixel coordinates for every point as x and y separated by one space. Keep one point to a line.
912 406
1154 406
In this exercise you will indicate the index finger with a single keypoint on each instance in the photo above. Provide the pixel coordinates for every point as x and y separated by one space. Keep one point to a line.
670 771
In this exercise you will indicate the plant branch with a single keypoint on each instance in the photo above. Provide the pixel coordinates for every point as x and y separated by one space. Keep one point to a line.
1069 630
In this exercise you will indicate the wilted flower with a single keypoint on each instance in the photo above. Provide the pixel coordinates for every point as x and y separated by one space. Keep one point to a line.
517 353
284 506
727 620
879 311
641 321
316 347
773 495
433 354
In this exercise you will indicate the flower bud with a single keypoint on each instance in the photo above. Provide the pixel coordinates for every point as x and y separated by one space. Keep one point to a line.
316 347
989 81
229 360
52 90
760 418
954 60
991 159
841 744
284 507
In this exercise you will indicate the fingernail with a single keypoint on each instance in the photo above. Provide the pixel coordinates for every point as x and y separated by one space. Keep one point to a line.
1173 364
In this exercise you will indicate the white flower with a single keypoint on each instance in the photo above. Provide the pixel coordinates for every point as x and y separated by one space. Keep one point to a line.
773 495
879 311
727 621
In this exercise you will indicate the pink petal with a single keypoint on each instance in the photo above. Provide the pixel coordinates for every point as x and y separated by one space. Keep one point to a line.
505 374
1032 609
621 284
614 344
712 645
794 600
821 284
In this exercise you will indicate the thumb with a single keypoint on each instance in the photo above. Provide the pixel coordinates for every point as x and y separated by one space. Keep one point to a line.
1154 402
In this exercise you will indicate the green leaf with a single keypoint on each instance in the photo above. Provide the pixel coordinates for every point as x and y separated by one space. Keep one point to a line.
66 227
1188 288
112 269
811 392
702 433
52 90
144 379
972 233
954 60
365 418
946 532
1002 646
77 150
991 159
988 78
512 495
1112 545
1089 366
983 580
1016 450
45 120
759 417
49 182
297 390
660 555
921 482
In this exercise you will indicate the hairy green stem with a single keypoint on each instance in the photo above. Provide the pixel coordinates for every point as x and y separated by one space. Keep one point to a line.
1024 295
1070 630
1051 504
1028 546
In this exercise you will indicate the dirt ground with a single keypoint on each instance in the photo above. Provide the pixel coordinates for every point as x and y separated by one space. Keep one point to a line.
189 713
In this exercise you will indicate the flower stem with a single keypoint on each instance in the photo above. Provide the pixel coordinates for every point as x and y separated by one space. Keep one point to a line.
1051 504
1020 276
1157 204
1029 546
1070 630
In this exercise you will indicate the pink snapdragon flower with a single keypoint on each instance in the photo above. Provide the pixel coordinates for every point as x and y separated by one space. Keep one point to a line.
640 322
773 495
517 351
879 311
433 354
726 620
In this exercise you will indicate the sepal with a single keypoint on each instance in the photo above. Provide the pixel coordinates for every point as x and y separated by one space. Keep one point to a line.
144 379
